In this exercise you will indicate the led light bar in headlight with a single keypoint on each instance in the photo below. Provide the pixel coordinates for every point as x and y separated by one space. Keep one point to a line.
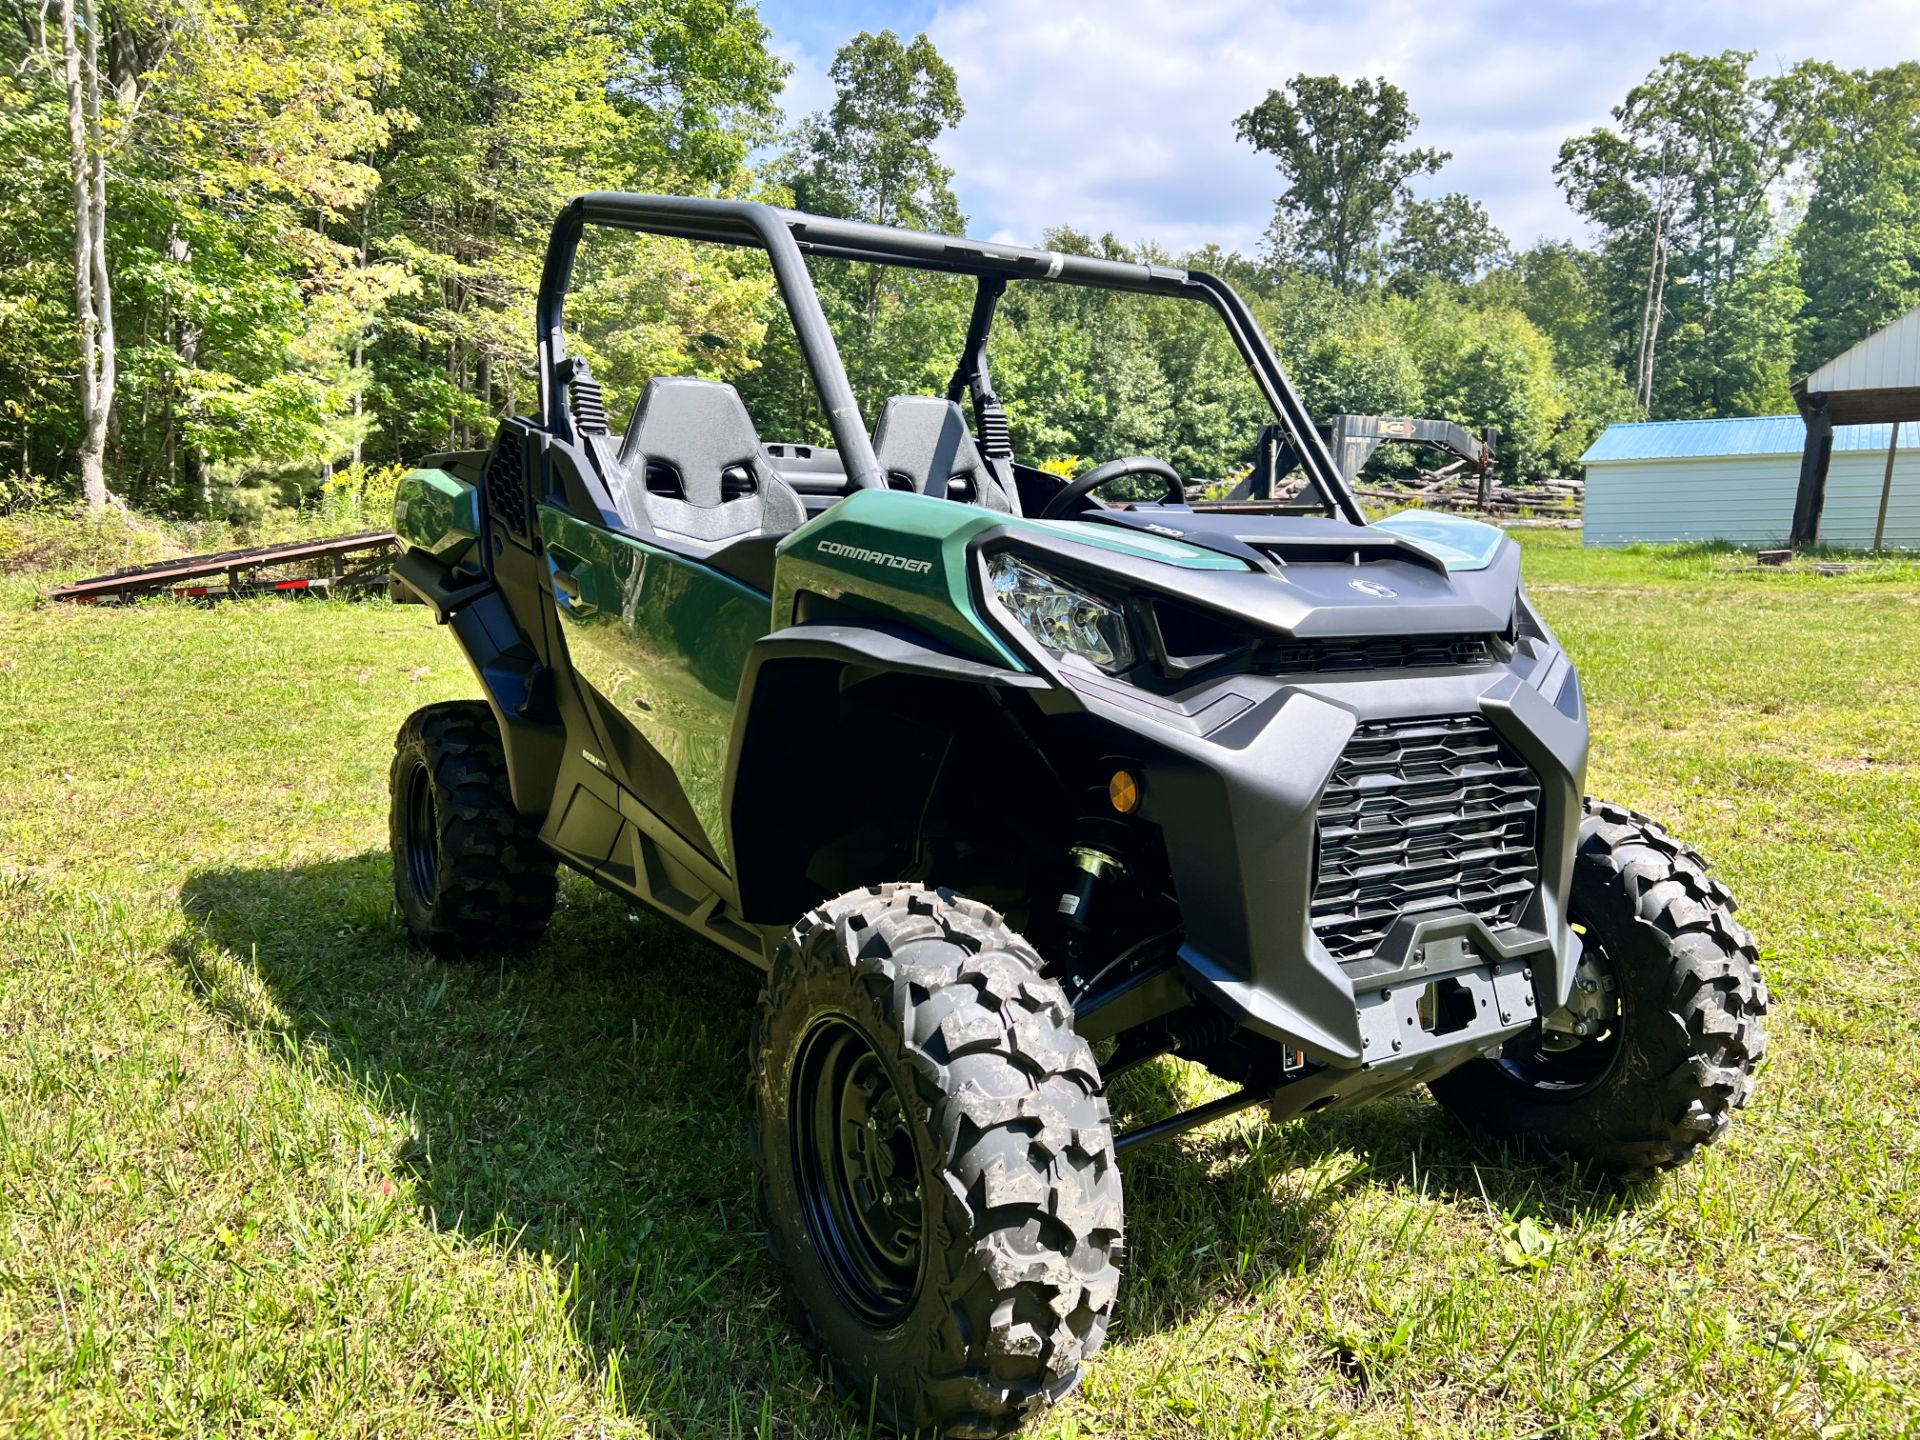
1062 619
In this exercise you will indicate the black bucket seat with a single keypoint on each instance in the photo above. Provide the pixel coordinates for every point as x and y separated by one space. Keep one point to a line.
923 443
691 467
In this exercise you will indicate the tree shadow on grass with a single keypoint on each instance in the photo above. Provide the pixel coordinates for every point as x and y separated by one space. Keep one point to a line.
587 1102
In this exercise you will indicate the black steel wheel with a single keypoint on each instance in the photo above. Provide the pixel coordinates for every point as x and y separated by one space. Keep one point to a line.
420 835
934 1161
469 874
858 1172
1658 1044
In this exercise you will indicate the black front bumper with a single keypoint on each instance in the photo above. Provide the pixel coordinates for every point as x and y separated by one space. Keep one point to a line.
1235 777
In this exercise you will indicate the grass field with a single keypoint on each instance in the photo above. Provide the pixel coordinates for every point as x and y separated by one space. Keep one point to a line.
266 1170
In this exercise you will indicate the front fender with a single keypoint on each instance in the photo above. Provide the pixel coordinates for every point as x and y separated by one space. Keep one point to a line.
822 789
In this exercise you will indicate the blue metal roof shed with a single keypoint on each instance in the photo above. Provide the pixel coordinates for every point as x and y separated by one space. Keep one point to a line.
1736 480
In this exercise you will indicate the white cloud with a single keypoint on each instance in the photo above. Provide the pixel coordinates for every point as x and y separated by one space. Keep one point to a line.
807 88
1118 114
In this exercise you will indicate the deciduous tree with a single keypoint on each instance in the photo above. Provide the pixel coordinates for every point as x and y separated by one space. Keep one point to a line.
870 156
1859 245
1451 239
92 283
1681 188
1343 151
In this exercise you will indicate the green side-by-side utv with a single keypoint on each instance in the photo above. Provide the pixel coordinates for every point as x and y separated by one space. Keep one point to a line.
1010 788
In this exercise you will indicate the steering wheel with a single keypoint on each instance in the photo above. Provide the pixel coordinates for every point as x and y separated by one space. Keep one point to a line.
1078 489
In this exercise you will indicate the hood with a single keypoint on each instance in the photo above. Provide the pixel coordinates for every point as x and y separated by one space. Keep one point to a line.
1319 578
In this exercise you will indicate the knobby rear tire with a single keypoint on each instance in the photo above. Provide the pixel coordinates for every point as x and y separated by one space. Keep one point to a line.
470 875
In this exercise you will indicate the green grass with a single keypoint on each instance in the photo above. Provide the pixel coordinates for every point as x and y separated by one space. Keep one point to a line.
266 1170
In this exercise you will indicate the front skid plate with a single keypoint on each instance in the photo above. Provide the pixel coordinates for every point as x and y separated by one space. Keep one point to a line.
1463 1013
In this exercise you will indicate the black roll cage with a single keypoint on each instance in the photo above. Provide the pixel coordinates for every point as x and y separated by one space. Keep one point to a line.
788 236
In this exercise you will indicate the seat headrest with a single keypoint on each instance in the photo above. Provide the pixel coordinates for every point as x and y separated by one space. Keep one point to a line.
925 440
691 465
697 428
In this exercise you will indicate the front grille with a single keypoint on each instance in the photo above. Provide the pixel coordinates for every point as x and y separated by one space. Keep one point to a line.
1398 652
1423 816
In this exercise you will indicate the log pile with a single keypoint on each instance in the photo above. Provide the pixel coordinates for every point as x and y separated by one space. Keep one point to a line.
1457 488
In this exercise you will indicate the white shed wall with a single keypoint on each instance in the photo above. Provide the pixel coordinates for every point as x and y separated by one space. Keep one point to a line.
1853 499
1748 499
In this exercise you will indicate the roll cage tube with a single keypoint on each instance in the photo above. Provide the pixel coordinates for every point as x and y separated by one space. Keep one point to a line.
788 236
724 222
970 375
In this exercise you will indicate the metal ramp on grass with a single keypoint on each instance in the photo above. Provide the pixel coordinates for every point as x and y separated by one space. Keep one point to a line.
298 567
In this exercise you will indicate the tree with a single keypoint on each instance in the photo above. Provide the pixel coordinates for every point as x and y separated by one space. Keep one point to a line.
1558 286
870 157
1859 243
1348 354
93 287
1342 149
1681 189
38 397
518 106
326 221
1092 375
1484 367
1633 195
1451 239
1756 330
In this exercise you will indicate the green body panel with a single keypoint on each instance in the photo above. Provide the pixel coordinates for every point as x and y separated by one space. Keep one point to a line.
904 556
436 512
664 640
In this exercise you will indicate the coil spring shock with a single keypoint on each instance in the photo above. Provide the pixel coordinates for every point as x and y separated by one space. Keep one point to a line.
1083 911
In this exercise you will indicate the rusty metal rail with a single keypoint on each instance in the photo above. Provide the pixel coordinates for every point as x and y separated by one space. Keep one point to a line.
343 562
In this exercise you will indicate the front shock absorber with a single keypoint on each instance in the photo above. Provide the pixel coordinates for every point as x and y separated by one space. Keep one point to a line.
1091 870
1091 899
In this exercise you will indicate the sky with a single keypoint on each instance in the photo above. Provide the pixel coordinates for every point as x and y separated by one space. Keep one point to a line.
1117 115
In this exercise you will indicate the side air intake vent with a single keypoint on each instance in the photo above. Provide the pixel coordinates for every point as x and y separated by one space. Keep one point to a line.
1422 817
507 484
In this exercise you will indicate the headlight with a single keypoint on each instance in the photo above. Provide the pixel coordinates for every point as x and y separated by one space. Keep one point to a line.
1064 620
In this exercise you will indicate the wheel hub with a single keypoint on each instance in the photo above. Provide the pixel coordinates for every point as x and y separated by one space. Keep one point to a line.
422 836
1576 1046
858 1172
1591 1010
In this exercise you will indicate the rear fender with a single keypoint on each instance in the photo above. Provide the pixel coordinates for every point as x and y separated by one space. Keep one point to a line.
517 686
